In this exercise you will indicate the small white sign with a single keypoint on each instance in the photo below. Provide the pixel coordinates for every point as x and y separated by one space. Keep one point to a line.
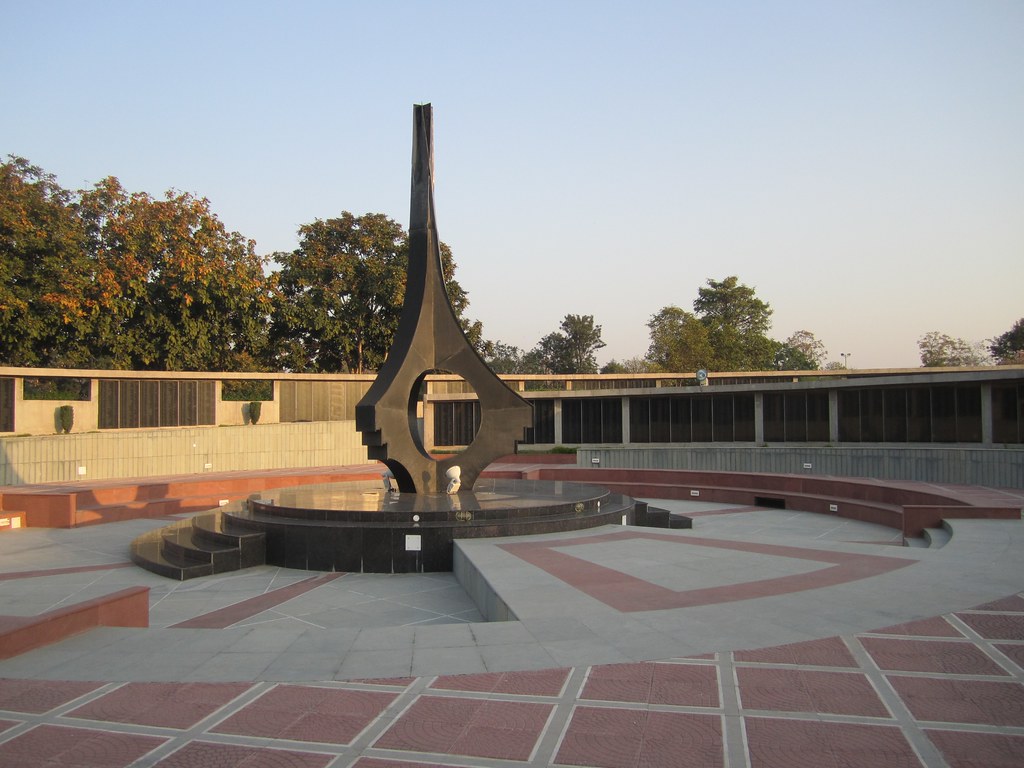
412 542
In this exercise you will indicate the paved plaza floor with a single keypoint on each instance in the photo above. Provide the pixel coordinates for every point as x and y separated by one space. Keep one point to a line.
759 638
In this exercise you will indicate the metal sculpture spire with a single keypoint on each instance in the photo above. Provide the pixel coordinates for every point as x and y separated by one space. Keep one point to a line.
429 338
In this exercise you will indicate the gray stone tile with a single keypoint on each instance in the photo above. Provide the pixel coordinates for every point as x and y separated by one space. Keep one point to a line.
360 664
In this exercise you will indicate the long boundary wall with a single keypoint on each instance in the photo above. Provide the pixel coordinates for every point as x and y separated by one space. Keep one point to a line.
994 467
185 450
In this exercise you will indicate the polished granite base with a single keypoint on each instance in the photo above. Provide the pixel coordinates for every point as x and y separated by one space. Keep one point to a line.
339 527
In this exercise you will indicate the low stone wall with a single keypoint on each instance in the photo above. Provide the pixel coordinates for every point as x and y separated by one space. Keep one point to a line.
187 450
998 467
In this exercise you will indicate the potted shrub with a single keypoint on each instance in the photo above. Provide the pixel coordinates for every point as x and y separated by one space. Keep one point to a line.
65 418
254 411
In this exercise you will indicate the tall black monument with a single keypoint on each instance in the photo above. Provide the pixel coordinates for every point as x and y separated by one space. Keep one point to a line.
430 339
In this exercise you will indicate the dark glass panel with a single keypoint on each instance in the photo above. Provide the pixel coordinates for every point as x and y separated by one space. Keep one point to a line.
286 391
680 415
661 418
303 401
168 404
590 422
443 418
919 418
896 427
796 417
149 404
871 415
572 414
321 401
968 414
128 404
849 416
207 406
108 405
774 417
817 417
640 419
943 414
721 419
188 403
611 420
6 405
743 418
1005 413
544 421
703 431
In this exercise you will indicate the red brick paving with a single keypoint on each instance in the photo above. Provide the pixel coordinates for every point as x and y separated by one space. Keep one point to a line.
935 626
777 743
308 713
795 703
984 702
458 726
624 738
827 652
166 705
995 626
199 754
979 750
55 745
1014 652
38 696
686 685
798 690
1013 603
947 657
544 682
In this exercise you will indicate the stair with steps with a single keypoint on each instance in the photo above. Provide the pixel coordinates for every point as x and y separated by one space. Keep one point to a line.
203 545
930 538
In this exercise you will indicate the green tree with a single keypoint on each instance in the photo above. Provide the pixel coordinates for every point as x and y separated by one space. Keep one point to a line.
171 288
43 269
629 365
939 350
679 342
800 352
737 323
571 350
1008 348
341 294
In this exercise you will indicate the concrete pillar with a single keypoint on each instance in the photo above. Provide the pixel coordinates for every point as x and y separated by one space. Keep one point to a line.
758 418
833 416
986 414
558 421
625 421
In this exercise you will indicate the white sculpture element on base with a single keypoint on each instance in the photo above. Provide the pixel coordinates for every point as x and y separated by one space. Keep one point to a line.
454 475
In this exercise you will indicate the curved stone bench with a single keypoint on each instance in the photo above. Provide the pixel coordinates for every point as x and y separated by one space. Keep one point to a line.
906 507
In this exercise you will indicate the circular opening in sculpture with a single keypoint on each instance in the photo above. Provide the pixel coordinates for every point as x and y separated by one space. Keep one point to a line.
444 413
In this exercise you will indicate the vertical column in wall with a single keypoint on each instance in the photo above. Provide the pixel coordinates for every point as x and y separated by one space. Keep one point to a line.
833 416
758 418
986 414
558 421
626 440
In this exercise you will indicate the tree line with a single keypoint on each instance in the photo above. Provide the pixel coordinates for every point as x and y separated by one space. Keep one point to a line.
109 279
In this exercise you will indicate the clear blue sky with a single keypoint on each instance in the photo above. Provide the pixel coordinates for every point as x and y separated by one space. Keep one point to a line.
860 164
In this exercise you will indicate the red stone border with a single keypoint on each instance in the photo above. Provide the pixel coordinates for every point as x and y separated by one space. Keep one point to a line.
125 608
630 594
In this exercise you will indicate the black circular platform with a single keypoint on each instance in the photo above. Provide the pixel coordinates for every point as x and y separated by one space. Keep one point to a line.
358 528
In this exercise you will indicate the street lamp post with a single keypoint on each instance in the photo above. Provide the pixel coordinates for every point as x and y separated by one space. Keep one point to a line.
846 358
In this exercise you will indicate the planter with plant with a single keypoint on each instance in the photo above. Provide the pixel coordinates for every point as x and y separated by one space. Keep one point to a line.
65 418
